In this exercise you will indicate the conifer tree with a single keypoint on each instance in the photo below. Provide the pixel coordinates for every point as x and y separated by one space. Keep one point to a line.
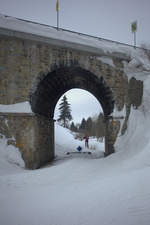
65 112
82 127
89 124
73 127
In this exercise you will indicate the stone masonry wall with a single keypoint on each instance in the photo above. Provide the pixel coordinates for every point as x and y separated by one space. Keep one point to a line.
32 135
24 63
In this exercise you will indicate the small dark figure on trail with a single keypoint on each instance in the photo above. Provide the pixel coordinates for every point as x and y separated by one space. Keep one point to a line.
86 141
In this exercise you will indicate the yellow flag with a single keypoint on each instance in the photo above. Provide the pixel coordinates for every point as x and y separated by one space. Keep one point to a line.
134 26
57 5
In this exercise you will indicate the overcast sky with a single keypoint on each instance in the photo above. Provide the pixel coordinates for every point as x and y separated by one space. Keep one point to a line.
110 19
83 104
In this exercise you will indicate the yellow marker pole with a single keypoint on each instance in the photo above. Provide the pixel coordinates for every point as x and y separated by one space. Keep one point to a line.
57 10
134 29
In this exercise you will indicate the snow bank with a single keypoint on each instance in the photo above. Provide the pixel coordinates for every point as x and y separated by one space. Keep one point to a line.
10 158
136 141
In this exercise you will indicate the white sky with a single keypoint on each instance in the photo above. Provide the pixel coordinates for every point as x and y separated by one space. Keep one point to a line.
83 104
110 19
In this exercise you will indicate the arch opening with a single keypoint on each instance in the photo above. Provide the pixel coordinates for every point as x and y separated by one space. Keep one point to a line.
86 120
56 83
83 105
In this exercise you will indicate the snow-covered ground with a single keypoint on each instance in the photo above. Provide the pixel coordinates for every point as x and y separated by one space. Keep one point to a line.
70 144
82 189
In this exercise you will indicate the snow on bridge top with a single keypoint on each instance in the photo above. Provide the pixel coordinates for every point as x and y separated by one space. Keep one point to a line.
11 26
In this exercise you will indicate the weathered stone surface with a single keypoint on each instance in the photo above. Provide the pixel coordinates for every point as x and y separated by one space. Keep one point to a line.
32 135
135 92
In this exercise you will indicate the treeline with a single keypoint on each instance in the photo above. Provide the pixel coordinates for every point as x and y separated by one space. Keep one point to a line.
92 126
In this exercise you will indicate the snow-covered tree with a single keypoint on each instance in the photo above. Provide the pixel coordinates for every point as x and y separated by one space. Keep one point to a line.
65 112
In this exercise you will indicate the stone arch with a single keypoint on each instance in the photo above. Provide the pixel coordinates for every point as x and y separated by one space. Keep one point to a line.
52 86
57 82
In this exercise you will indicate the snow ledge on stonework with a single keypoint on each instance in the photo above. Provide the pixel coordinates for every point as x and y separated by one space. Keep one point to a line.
23 107
46 31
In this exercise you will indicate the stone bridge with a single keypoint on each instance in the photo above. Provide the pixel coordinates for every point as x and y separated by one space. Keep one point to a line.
39 64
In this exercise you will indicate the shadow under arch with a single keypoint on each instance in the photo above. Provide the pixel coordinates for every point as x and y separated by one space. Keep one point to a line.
56 83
